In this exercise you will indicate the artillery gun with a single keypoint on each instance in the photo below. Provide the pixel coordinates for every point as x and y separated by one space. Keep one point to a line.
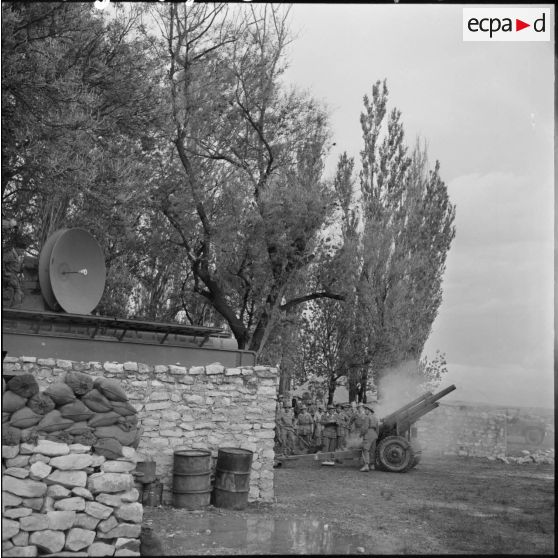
397 449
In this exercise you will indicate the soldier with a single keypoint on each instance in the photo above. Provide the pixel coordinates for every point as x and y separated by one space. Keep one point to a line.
305 426
369 433
318 428
342 426
329 434
287 425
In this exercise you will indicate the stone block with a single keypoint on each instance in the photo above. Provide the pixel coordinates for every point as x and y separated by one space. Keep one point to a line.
18 461
75 503
9 452
130 495
7 545
57 491
233 372
113 367
25 488
39 470
10 528
16 513
171 432
130 544
34 522
69 479
117 467
18 472
127 530
61 520
194 399
100 549
196 370
98 510
52 449
215 368
173 369
130 366
110 482
126 552
48 541
21 551
132 513
71 462
78 538
21 539
107 524
85 521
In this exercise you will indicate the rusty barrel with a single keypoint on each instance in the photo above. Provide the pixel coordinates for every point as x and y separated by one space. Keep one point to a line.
232 478
191 487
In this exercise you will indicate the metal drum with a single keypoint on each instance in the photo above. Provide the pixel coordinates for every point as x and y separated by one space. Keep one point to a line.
232 478
191 488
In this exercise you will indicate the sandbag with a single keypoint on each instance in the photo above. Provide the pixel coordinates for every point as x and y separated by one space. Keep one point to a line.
111 389
79 428
124 408
125 438
60 393
25 418
109 447
24 385
41 403
132 420
79 382
104 419
12 402
76 411
10 436
85 439
60 436
54 421
96 401
30 436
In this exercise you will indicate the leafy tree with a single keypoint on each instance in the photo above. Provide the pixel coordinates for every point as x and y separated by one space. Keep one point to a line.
250 200
394 240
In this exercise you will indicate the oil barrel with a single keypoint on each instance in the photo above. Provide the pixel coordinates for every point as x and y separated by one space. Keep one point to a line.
232 478
191 486
152 494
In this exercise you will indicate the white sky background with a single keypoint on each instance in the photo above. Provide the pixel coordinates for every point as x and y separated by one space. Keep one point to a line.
486 111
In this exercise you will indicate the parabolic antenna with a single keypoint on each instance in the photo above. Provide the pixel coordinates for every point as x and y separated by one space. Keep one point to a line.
72 271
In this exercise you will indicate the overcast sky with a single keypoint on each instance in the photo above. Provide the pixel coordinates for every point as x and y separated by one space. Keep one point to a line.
486 111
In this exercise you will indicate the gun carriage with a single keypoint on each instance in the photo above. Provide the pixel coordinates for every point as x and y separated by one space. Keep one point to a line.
397 449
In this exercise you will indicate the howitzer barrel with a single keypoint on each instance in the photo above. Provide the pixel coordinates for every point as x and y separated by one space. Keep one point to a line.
420 399
418 407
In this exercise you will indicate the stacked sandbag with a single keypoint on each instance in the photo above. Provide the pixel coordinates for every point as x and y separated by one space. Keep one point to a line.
60 498
80 409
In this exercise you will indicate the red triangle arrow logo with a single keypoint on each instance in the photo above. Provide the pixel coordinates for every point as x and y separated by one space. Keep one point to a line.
519 25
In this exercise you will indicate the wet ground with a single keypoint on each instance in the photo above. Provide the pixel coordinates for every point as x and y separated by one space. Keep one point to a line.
447 505
238 535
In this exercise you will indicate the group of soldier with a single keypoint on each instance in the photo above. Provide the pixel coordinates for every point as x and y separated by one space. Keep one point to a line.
306 427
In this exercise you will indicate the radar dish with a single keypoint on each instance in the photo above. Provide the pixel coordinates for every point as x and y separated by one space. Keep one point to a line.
72 271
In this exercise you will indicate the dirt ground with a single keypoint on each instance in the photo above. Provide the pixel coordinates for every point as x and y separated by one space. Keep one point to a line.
446 505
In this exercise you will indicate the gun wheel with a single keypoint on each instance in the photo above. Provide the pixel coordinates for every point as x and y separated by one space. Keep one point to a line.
395 454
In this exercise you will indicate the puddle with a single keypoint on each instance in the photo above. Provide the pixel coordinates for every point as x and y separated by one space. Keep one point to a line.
235 535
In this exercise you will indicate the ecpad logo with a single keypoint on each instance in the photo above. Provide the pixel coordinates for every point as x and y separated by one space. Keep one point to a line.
506 24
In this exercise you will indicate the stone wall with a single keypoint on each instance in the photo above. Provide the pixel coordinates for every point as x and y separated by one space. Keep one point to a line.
463 430
59 497
203 407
